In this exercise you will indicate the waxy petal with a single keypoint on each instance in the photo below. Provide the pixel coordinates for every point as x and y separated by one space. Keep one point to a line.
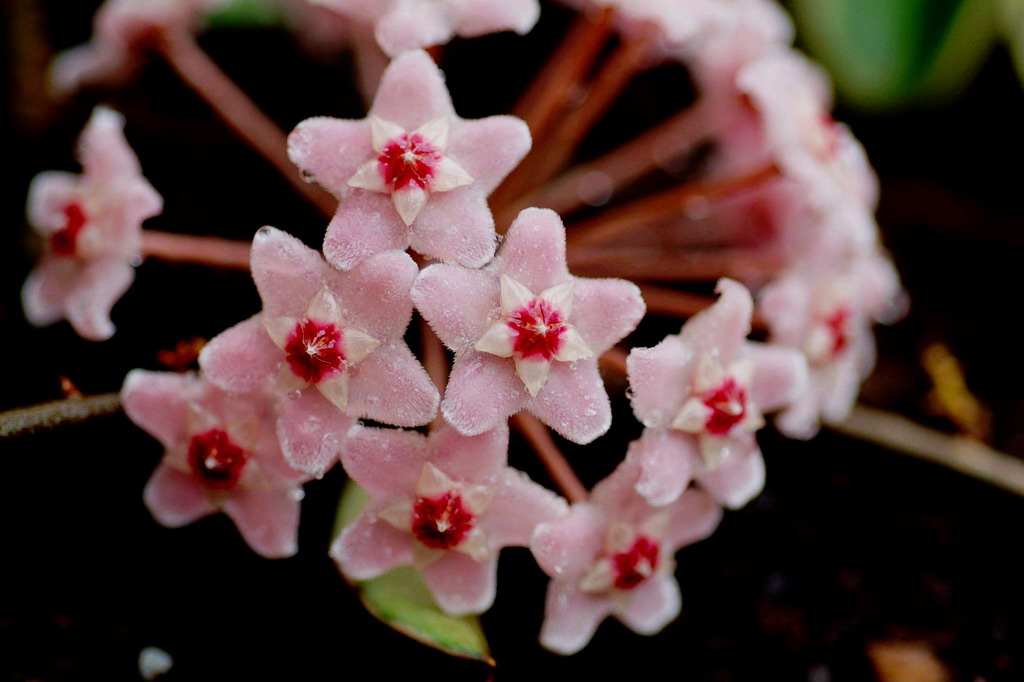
489 148
695 516
330 150
375 295
738 478
534 250
311 430
652 605
518 508
391 386
725 325
780 375
574 402
158 403
480 458
384 462
457 227
565 548
268 519
409 201
665 459
96 289
607 310
412 25
483 391
457 302
242 359
174 498
654 375
570 617
288 274
366 224
461 585
370 546
412 92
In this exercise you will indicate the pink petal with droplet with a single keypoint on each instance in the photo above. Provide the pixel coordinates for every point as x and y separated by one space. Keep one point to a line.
268 519
661 378
606 311
533 252
157 402
460 585
457 303
725 325
384 462
570 617
391 386
311 431
375 295
370 546
412 91
652 605
739 477
574 401
483 391
456 226
366 224
665 458
518 507
566 547
329 150
242 359
288 274
481 458
780 375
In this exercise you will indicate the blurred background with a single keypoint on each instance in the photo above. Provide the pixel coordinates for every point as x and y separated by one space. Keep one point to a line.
852 556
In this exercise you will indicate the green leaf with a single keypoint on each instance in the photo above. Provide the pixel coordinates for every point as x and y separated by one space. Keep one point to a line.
1011 23
245 14
887 53
401 600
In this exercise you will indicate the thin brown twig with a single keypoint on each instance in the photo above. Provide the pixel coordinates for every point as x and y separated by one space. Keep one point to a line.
554 461
956 452
643 212
26 420
190 249
235 108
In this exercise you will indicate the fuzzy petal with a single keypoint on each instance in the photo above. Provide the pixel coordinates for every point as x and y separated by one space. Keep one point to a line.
565 548
376 294
483 391
489 148
103 149
606 311
175 498
158 403
311 431
725 325
412 25
481 458
268 519
695 516
95 291
738 478
570 617
456 227
330 150
661 380
288 274
412 91
666 460
459 304
574 402
533 253
461 585
518 508
653 605
370 547
391 386
384 462
241 359
780 375
366 224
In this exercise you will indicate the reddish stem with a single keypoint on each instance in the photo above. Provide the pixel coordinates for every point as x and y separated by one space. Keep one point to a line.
673 265
435 360
539 438
202 250
235 108
614 360
643 212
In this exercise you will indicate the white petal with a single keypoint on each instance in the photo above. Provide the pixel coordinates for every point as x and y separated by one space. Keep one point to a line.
477 498
448 175
742 371
356 345
573 347
713 450
710 374
560 297
656 525
288 381
476 545
818 345
436 132
409 201
533 372
499 339
513 295
368 176
324 307
433 482
692 417
620 537
279 329
600 578
752 420
334 387
398 515
383 131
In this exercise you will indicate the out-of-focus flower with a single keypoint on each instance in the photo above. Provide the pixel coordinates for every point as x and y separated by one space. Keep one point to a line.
614 555
328 344
526 333
412 173
445 504
402 25
93 227
701 395
123 31
222 455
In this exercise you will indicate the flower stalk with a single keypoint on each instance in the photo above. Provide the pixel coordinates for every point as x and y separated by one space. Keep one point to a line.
558 467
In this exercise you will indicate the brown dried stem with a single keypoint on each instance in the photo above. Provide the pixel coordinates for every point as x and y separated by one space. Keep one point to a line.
235 108
554 461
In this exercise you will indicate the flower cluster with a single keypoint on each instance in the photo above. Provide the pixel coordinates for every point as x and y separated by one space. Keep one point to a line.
284 396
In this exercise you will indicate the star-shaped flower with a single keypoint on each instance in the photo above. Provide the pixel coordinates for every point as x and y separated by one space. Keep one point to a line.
412 173
328 344
614 555
526 333
825 308
123 30
402 25
445 504
701 394
93 227
222 455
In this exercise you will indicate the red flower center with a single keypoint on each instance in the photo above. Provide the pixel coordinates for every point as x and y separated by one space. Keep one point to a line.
539 329
215 459
313 350
65 241
636 564
409 159
838 325
441 522
728 405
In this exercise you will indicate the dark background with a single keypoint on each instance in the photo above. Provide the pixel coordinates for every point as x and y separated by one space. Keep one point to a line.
849 544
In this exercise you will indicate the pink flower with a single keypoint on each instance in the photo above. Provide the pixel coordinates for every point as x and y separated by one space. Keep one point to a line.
123 30
222 455
402 25
614 554
412 173
328 344
824 306
701 395
526 333
92 225
445 504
